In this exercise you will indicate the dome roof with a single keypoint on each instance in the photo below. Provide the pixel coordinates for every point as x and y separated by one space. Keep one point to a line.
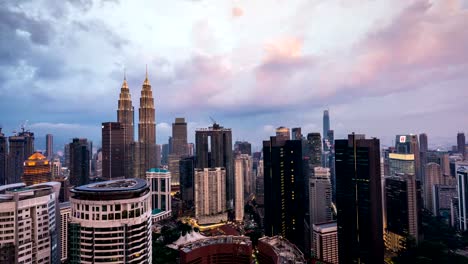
37 156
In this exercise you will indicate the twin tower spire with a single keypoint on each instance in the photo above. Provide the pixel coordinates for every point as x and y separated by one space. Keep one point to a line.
144 149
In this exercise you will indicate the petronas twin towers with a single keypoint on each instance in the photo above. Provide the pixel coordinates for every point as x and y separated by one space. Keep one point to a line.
140 155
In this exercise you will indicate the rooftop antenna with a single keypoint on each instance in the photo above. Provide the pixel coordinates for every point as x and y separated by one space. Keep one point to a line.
212 120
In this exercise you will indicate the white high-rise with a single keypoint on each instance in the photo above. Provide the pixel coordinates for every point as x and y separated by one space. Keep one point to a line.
159 181
243 183
28 229
111 222
461 169
325 242
65 212
210 195
320 196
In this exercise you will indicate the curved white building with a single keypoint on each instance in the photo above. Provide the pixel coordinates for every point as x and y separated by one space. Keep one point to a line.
28 223
111 222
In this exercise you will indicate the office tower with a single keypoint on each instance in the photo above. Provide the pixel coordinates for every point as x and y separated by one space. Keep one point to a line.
402 210
326 127
159 181
165 154
359 200
173 165
314 150
21 147
29 230
158 155
191 149
243 147
66 155
56 168
260 184
284 182
461 169
118 215
423 149
49 146
179 137
331 139
296 133
442 198
217 249
461 143
408 144
187 173
115 162
79 162
99 162
126 118
3 158
282 134
454 214
401 163
433 176
146 130
214 149
37 169
325 242
278 250
65 212
244 183
210 195
423 145
320 196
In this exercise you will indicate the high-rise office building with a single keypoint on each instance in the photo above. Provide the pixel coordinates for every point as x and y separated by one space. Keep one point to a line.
179 137
283 134
159 181
461 143
126 118
146 130
326 128
173 165
21 147
423 145
243 147
187 174
79 162
65 213
296 133
66 155
29 229
455 213
118 215
165 154
359 200
243 169
49 146
320 196
214 149
409 144
433 176
403 207
114 159
210 195
401 163
284 189
442 196
423 149
314 150
325 242
158 155
37 169
191 149
3 157
461 169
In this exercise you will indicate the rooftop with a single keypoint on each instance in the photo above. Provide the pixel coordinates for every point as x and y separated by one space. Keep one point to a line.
286 250
113 185
202 242
158 170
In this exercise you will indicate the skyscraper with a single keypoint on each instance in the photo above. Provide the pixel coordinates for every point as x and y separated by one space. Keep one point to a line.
314 150
125 144
179 137
21 146
320 196
49 146
325 242
359 200
433 176
409 144
239 180
79 162
461 169
402 198
214 149
461 143
243 169
326 127
147 129
296 133
243 147
423 149
283 134
3 157
187 173
37 169
115 162
159 181
423 145
284 189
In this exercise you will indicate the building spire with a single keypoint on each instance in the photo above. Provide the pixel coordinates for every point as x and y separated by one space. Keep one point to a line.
146 76
124 84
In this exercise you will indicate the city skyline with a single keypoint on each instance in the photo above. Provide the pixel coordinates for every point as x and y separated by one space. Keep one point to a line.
359 71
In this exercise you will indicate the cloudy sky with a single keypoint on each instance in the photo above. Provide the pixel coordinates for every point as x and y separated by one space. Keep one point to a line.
381 67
